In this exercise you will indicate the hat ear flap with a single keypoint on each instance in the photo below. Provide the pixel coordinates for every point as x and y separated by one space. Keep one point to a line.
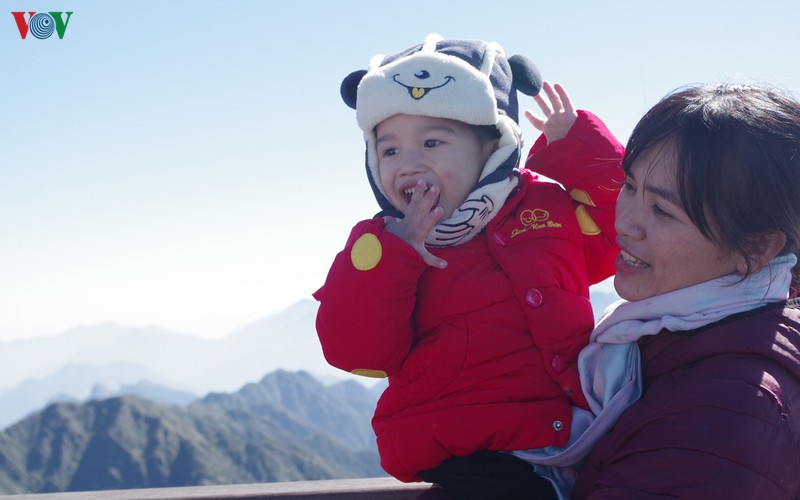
349 88
527 77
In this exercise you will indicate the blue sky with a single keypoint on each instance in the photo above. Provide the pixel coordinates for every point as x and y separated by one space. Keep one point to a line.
190 165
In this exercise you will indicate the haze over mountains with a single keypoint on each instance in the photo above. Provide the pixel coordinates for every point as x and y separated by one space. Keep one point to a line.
286 340
108 359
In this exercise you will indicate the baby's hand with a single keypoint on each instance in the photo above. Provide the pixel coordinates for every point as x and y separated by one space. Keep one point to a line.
559 115
420 218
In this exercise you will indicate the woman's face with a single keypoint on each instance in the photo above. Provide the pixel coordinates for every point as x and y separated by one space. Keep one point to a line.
661 250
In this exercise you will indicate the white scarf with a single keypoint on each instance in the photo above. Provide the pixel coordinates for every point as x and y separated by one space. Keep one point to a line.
471 217
609 366
680 310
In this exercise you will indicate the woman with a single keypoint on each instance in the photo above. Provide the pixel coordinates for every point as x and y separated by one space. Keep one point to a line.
708 225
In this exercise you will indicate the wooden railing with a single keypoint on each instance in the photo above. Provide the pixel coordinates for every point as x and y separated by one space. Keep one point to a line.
337 489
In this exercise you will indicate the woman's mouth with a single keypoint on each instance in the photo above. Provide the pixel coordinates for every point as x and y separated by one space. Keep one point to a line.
631 261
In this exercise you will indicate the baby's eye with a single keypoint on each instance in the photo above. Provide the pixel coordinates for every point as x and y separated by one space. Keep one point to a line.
432 143
389 152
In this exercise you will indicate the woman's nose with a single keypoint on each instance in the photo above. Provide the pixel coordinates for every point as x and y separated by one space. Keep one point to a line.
627 221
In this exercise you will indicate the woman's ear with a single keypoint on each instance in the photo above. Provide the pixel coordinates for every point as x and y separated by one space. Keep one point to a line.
766 247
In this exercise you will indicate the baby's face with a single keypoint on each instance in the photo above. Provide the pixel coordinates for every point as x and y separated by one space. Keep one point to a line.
444 153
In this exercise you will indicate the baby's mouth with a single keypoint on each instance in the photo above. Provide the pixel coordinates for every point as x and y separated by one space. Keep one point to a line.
409 192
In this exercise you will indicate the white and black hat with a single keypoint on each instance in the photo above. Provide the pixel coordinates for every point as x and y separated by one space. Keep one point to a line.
471 81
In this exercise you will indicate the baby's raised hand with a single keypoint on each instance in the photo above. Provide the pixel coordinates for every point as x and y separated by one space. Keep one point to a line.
421 215
559 115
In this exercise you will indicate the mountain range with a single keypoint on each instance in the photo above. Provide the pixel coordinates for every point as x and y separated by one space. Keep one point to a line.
288 426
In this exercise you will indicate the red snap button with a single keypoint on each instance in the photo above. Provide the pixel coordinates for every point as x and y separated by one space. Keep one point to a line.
499 238
533 297
558 363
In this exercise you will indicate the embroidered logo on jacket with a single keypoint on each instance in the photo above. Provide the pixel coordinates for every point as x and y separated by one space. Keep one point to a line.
534 219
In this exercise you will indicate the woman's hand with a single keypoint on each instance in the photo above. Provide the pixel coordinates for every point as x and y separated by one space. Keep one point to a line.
421 216
559 115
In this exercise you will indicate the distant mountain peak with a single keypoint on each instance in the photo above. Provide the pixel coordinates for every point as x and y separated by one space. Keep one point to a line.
246 436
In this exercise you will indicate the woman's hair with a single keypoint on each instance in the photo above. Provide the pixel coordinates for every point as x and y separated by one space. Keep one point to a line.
737 149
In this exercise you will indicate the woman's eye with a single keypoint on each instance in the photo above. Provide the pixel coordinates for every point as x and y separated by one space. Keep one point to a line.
432 143
659 212
627 186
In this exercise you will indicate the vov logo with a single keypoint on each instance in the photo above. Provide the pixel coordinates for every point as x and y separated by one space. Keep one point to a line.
42 25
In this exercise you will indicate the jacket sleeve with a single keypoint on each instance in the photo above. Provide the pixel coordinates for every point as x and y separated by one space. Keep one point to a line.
364 318
699 438
587 163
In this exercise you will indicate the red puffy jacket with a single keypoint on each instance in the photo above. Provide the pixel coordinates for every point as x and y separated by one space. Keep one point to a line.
481 355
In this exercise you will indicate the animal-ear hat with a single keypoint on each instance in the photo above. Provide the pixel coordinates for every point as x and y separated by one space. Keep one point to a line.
471 81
